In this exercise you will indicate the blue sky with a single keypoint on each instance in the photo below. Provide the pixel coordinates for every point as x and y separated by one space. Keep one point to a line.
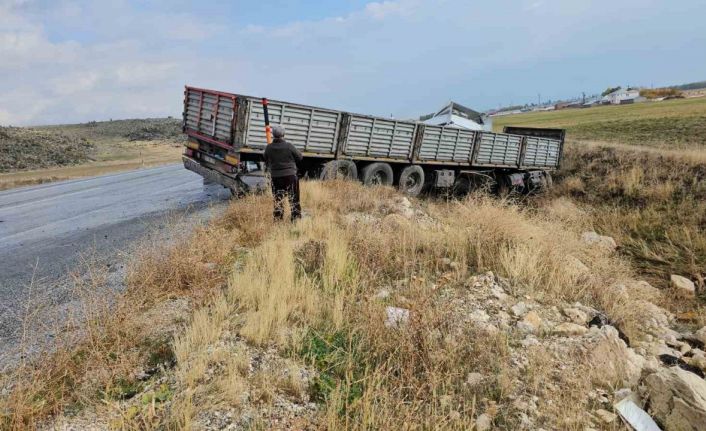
69 61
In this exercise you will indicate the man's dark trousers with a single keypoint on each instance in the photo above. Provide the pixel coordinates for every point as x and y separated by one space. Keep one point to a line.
286 186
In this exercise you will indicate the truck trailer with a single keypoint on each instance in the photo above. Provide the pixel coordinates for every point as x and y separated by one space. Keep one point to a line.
227 137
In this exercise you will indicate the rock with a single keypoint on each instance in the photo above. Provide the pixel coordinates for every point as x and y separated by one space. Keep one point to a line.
498 293
592 238
474 379
382 294
606 416
568 329
404 208
677 398
396 317
683 286
701 335
576 266
483 422
624 393
611 360
531 323
479 316
395 222
519 309
529 341
577 316
698 360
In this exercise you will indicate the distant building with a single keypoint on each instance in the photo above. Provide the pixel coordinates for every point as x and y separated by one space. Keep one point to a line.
455 114
623 96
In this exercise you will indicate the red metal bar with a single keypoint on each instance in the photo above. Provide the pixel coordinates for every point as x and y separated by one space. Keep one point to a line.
268 129
197 135
214 92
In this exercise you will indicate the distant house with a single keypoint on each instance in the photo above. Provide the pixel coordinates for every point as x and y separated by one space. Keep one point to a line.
623 96
455 114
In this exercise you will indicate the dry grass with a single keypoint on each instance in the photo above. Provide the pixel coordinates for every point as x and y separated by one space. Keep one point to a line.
653 202
307 293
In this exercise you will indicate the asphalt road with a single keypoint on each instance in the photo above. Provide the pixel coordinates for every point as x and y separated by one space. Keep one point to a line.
46 231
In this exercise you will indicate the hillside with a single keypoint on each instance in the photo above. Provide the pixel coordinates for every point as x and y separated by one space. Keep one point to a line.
673 123
22 148
47 153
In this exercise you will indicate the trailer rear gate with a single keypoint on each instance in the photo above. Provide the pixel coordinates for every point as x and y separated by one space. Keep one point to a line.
210 114
541 153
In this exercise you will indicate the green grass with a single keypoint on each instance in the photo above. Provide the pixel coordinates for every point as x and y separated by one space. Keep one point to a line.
680 122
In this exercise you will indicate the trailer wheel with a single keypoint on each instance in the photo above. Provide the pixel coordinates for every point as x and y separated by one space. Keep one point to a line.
411 180
462 186
344 169
377 174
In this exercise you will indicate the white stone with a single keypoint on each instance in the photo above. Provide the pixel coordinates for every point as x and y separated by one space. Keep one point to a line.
592 238
568 329
576 266
519 309
483 422
530 323
683 285
577 316
382 294
677 398
396 317
606 416
479 316
474 379
701 335
611 360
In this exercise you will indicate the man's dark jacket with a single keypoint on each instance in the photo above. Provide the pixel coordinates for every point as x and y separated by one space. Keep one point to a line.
281 158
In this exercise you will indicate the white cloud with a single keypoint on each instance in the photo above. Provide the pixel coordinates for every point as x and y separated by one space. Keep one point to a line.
67 61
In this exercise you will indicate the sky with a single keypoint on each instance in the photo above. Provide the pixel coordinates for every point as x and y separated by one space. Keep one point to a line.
67 61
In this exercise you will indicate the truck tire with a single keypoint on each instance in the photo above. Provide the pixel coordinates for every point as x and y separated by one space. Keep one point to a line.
343 169
412 180
462 186
377 174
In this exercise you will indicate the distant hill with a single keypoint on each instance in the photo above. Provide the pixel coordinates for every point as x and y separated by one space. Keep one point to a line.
40 147
692 86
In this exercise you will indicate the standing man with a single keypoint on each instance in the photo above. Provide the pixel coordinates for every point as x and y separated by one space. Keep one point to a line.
281 159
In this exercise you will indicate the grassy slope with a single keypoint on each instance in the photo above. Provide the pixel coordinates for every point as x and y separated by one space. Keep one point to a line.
679 122
305 296
650 197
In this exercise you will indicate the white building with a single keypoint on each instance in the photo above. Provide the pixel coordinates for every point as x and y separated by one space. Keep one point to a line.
455 114
622 95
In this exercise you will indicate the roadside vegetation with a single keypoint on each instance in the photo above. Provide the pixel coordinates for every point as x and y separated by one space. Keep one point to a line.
285 326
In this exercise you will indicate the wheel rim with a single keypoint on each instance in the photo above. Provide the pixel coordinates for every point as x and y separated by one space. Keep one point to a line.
412 181
378 178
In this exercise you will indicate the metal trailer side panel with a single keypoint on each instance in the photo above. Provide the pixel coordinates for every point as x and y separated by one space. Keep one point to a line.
446 144
541 153
210 114
498 150
378 137
312 130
